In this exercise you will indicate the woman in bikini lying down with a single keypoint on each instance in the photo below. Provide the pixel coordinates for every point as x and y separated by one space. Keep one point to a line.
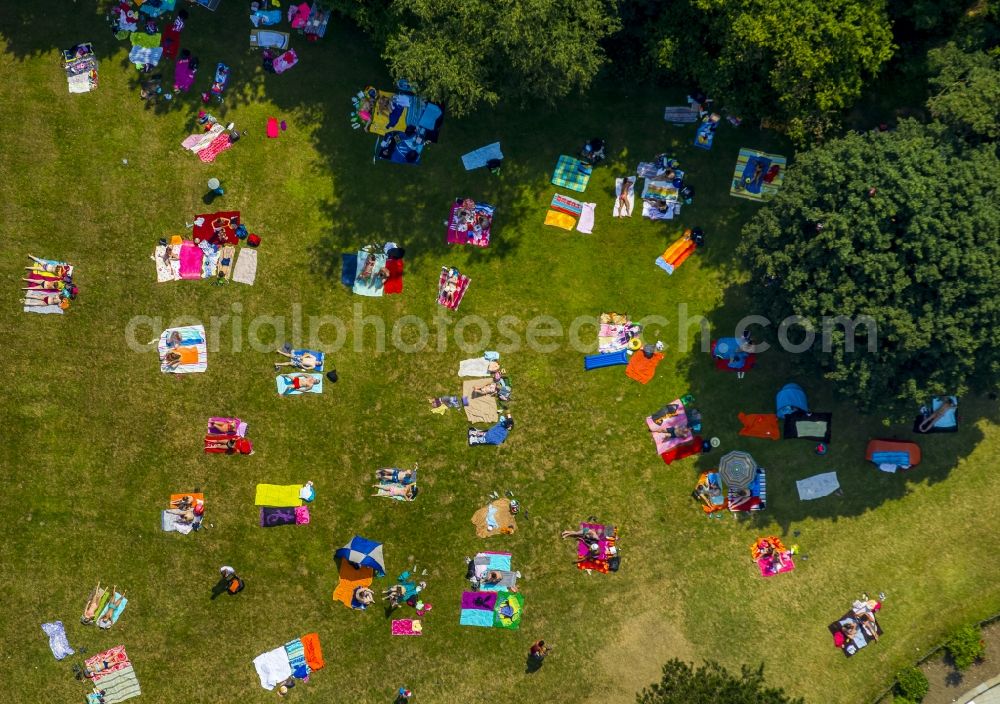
392 491
46 300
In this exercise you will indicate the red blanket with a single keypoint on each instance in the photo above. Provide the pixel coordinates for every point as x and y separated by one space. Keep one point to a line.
394 284
679 452
170 40
206 230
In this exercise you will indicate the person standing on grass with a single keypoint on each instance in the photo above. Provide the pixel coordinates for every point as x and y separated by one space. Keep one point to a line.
538 651
403 696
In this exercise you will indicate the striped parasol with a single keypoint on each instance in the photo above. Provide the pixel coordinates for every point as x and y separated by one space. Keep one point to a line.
737 469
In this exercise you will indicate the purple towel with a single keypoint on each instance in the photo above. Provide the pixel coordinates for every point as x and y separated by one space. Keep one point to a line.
270 516
481 601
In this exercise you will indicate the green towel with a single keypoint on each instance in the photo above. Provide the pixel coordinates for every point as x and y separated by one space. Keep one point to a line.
147 41
119 686
810 428
278 495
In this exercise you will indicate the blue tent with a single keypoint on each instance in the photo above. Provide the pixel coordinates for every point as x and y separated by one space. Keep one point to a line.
791 398
362 552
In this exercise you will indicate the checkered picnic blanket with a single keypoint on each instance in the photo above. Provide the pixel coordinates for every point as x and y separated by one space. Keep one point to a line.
571 173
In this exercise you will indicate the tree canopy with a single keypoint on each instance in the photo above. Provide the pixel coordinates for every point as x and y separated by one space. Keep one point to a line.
471 53
920 255
965 89
710 684
796 64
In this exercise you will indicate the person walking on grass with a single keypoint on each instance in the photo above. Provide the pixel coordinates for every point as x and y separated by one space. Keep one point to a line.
536 655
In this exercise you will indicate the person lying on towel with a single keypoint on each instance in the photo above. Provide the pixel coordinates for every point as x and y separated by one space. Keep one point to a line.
181 355
449 401
495 435
676 431
767 550
407 492
230 446
306 361
396 476
300 382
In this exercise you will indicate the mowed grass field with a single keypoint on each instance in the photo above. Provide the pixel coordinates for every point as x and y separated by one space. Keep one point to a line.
95 438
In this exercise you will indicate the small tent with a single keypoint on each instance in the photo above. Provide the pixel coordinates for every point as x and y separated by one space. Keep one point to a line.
361 552
791 398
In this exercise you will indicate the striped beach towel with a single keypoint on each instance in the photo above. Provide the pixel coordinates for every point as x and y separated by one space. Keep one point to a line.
297 658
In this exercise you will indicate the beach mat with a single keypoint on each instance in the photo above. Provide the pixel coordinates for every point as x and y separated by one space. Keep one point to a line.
279 495
500 517
482 409
351 578
285 387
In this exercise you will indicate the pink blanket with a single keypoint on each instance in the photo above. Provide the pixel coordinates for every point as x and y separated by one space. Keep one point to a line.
406 627
218 145
285 61
191 260
664 442
766 565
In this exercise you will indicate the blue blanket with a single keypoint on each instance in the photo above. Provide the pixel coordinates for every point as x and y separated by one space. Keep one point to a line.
900 459
477 158
751 184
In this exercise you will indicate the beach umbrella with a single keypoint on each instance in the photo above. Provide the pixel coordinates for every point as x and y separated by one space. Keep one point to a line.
362 552
737 469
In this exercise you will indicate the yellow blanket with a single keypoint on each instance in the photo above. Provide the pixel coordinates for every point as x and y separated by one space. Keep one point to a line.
562 220
278 495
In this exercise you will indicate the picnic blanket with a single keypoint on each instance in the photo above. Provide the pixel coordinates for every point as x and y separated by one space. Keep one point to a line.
660 190
192 348
494 519
58 643
817 486
218 145
371 285
606 549
481 409
760 425
141 55
477 158
272 667
461 287
190 260
475 366
623 207
245 269
351 578
393 284
809 426
676 254
651 211
642 368
285 61
705 135
118 680
462 231
586 222
491 609
281 495
183 75
893 452
757 176
680 115
560 220
675 419
767 566
286 387
269 39
407 627
171 42
195 143
571 173
756 501
271 516
861 637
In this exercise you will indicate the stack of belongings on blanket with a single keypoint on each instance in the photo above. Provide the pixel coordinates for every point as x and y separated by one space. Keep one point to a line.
211 252
80 65
664 189
213 139
496 518
284 505
183 350
771 556
599 554
397 484
470 222
615 334
227 436
48 286
185 513
404 122
295 660
564 211
452 285
858 627
360 561
682 248
494 601
480 396
104 607
675 429
113 677
374 270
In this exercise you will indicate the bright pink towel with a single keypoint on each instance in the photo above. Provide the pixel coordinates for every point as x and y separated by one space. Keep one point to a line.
191 259
272 127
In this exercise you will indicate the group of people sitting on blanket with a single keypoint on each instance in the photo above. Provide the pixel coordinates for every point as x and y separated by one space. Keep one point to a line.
187 509
499 387
590 539
405 591
489 579
471 220
864 614
396 483
48 284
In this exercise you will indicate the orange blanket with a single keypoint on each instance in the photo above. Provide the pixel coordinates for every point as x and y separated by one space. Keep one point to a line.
642 369
314 655
350 579
178 497
760 425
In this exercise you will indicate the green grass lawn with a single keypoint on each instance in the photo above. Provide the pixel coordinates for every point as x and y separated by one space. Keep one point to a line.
95 438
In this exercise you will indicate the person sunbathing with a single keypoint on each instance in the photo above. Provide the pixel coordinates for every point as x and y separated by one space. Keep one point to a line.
307 360
230 446
768 550
222 426
44 285
47 300
623 198
90 610
179 356
584 535
397 476
393 491
300 382
59 270
849 629
675 431
485 390
107 618
864 612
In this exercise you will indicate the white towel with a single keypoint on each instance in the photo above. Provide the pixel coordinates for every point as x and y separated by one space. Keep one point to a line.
169 270
245 269
272 667
478 366
586 222
817 486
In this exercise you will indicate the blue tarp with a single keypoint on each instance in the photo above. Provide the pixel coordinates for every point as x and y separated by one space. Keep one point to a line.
791 398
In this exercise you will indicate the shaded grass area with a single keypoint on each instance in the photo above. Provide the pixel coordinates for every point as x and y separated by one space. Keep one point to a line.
96 439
